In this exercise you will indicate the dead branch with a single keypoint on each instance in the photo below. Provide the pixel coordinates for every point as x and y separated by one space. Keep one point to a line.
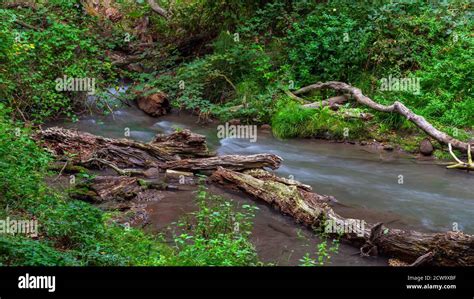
158 9
396 107
469 165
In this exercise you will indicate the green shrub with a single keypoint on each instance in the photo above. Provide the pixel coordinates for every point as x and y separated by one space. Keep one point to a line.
217 234
292 120
32 59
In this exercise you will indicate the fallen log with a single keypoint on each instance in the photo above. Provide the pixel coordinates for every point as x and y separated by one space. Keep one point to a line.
234 162
82 147
184 143
108 188
312 210
396 107
128 157
469 165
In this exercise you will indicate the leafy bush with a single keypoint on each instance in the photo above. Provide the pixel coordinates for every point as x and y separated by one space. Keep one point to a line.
329 44
292 120
32 59
217 234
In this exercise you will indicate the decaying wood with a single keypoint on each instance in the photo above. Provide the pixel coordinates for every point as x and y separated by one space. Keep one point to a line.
396 107
184 143
128 157
82 147
108 188
234 162
312 210
114 167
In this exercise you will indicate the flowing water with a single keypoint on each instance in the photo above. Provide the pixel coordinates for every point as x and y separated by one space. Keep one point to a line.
369 184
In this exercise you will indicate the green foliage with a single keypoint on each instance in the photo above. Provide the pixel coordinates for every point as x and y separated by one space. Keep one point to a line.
217 234
329 44
32 59
21 163
292 120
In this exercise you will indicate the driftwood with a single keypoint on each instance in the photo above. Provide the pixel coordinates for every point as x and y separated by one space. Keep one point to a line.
396 107
234 162
469 165
184 143
82 147
128 157
313 210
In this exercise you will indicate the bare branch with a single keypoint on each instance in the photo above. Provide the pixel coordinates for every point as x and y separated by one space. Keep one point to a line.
396 107
158 9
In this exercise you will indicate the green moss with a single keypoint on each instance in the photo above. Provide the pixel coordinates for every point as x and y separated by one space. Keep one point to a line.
292 120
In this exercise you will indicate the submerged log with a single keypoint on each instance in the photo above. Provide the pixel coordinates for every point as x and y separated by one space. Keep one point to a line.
312 210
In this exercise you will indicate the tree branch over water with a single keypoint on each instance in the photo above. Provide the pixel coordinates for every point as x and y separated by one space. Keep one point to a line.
396 107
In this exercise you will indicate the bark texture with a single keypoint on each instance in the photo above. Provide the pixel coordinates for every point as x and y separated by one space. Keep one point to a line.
313 210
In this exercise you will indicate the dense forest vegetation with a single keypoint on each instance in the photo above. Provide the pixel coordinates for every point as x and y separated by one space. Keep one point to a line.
221 60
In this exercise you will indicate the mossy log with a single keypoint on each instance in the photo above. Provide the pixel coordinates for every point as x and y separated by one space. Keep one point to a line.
313 210
108 188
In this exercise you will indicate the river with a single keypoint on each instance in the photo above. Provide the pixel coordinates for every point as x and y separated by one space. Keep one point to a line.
378 186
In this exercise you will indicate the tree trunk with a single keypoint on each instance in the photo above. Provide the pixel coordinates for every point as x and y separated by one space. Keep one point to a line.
312 210
234 162
132 157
